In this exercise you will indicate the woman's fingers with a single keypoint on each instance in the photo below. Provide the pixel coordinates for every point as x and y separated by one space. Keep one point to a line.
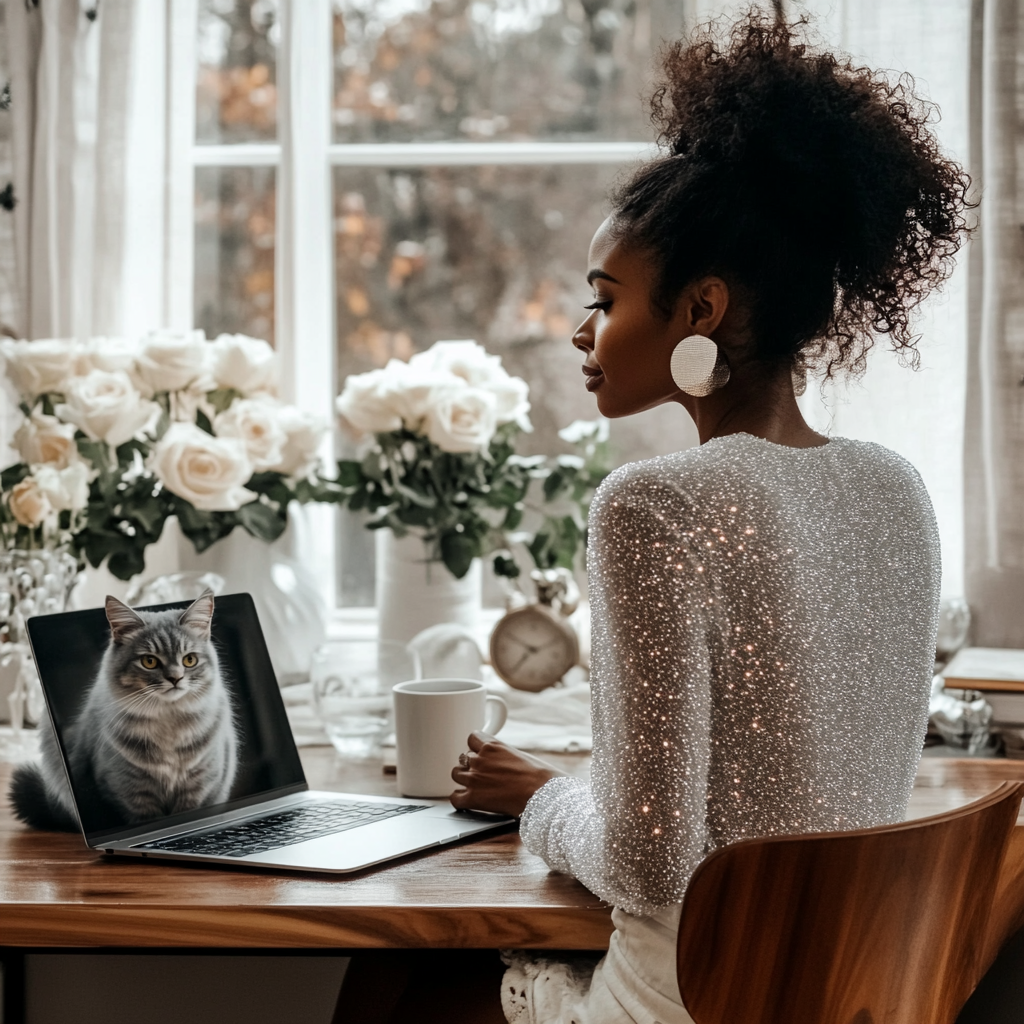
460 799
477 739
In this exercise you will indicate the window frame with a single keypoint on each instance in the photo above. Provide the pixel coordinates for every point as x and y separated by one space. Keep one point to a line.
304 158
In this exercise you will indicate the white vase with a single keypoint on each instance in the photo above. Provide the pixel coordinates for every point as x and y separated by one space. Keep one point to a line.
288 600
414 592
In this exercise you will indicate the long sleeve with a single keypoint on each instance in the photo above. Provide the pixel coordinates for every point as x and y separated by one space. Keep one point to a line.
635 834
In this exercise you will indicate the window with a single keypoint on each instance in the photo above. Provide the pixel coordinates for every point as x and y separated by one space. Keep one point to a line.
370 176
471 145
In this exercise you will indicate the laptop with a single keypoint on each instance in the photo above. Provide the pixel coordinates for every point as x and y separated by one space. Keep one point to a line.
271 818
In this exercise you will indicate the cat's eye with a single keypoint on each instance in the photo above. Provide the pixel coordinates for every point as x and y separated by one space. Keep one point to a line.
189 661
149 661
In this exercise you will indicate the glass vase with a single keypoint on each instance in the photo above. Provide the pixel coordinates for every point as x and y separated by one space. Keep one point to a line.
32 582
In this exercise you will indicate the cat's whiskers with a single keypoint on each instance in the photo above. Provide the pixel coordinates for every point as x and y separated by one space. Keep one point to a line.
129 704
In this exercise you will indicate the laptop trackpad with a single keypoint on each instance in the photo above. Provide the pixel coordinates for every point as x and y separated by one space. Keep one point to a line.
372 844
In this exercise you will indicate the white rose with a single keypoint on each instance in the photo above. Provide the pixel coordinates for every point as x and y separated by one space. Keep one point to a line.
416 390
28 504
110 354
44 439
41 367
305 433
595 431
174 361
257 425
473 364
513 405
462 420
66 488
369 401
248 365
465 359
107 407
207 471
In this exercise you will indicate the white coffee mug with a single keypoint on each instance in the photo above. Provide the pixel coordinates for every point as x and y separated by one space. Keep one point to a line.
433 720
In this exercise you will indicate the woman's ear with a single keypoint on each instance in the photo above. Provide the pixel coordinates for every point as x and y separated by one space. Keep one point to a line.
702 306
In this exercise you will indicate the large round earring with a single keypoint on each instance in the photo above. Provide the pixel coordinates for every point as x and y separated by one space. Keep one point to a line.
698 366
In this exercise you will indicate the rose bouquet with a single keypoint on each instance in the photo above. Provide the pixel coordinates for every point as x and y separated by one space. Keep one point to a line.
439 451
119 434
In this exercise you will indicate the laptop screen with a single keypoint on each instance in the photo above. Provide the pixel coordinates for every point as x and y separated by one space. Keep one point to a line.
235 746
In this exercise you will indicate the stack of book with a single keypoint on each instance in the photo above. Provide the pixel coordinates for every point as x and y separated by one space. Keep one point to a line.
998 673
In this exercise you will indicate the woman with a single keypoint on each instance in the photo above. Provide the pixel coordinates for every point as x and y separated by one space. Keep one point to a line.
764 605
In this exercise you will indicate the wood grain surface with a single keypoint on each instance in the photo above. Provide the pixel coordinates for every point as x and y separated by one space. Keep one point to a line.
485 893
885 924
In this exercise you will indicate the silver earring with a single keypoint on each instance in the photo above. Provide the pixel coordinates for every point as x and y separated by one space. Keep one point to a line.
698 366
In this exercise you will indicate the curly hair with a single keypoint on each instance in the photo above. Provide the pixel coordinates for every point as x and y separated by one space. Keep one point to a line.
816 188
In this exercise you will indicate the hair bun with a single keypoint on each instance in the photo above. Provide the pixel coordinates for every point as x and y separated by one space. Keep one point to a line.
801 175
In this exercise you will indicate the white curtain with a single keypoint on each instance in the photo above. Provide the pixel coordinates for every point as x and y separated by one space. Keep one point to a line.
100 138
920 415
91 157
994 456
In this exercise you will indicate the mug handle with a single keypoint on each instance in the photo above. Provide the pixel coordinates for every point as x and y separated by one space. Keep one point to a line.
497 714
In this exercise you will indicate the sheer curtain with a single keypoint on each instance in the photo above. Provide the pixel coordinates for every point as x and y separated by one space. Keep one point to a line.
93 130
920 415
994 453
98 141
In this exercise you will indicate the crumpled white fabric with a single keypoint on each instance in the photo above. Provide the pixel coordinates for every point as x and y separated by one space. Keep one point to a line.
556 720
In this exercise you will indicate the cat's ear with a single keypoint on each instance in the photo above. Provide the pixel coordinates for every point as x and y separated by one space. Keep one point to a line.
198 615
123 621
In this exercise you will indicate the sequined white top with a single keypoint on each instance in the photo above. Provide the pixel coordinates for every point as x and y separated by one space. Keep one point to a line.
764 627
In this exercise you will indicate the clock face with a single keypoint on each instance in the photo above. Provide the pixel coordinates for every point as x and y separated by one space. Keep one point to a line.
531 649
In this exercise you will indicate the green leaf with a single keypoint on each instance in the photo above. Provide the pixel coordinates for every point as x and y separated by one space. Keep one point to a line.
540 550
149 514
350 473
457 553
262 521
513 519
370 466
554 483
415 515
203 421
221 398
13 475
505 566
128 562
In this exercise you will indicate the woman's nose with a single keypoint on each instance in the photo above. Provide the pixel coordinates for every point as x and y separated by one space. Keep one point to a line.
583 338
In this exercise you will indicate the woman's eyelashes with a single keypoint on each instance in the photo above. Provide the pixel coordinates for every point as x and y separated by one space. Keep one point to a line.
602 304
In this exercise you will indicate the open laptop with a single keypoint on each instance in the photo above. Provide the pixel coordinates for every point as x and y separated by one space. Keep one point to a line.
271 819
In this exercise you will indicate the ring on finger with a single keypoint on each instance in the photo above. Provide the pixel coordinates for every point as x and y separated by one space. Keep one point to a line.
464 760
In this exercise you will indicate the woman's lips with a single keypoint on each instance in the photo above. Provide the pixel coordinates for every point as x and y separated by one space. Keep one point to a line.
594 377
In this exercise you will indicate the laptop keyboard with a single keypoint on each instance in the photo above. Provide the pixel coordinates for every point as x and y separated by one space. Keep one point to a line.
285 828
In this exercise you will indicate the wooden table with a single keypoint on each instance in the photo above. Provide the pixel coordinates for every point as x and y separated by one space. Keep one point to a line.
490 893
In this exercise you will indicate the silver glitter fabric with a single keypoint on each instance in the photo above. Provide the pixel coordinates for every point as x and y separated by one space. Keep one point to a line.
764 627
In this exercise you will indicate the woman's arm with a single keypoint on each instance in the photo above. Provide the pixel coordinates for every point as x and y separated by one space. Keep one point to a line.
634 834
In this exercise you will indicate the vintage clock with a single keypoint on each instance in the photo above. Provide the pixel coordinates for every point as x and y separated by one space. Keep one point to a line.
532 647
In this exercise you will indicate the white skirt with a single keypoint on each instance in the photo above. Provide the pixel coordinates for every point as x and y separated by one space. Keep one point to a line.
537 989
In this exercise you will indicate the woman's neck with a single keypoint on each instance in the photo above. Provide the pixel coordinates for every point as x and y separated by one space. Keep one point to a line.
752 405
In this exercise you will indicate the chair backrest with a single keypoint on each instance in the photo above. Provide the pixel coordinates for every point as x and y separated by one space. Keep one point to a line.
878 926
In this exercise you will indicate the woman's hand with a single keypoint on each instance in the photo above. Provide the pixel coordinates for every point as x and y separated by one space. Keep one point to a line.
497 777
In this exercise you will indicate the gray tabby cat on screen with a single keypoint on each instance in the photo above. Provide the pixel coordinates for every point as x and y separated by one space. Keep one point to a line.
156 734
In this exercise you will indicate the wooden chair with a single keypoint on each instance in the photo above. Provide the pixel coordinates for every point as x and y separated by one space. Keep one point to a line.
890 925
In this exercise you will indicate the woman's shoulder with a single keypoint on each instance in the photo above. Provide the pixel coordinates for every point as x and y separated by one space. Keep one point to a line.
739 462
660 485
